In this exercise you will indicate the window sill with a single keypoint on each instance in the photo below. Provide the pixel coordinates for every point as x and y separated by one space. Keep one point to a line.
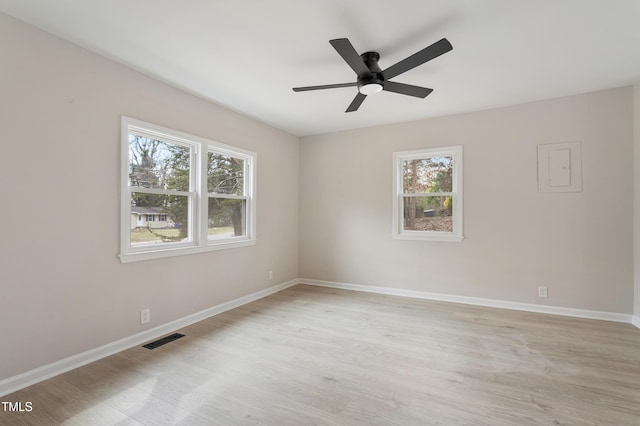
171 252
435 236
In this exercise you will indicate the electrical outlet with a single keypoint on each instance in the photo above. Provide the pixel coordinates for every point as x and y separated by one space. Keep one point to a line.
542 291
270 275
145 316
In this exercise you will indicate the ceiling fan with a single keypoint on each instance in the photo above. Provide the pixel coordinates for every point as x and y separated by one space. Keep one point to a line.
371 79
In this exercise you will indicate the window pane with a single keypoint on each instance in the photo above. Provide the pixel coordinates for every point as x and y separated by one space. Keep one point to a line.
433 213
226 218
225 174
147 210
428 175
158 164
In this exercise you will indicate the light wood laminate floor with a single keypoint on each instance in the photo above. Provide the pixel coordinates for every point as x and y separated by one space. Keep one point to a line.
316 356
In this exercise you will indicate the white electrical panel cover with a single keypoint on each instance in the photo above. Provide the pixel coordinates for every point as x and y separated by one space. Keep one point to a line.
560 167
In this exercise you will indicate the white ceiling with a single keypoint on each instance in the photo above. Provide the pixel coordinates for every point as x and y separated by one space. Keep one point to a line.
247 54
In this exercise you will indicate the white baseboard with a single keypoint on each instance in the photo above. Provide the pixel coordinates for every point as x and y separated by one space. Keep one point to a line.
45 372
544 309
636 320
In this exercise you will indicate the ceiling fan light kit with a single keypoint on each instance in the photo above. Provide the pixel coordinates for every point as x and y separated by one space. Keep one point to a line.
371 79
370 88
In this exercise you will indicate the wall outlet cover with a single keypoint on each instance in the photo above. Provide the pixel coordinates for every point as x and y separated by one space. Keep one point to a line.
145 316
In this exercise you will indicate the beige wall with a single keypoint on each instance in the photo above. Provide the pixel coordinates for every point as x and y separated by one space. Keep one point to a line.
580 245
63 290
636 198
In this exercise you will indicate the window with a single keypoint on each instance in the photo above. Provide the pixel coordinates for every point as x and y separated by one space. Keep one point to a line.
227 203
427 194
201 191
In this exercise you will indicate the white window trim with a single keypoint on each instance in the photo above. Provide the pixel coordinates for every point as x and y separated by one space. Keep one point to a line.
399 157
199 230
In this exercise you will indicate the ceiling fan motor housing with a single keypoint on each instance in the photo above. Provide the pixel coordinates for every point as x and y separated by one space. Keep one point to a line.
373 83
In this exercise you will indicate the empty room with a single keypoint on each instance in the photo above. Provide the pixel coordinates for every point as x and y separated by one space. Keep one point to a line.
320 212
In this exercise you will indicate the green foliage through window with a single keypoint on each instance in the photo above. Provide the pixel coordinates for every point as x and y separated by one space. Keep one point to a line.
427 176
161 165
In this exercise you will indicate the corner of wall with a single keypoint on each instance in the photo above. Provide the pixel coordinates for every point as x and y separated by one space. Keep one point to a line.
636 204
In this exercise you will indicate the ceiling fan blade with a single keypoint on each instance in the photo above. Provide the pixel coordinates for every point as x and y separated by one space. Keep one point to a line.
406 89
428 53
326 86
357 101
344 47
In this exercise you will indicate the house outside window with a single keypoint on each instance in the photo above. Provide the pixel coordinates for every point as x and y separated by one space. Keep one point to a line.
427 194
183 194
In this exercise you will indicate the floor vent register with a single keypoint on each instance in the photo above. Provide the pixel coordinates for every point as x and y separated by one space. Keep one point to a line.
163 341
